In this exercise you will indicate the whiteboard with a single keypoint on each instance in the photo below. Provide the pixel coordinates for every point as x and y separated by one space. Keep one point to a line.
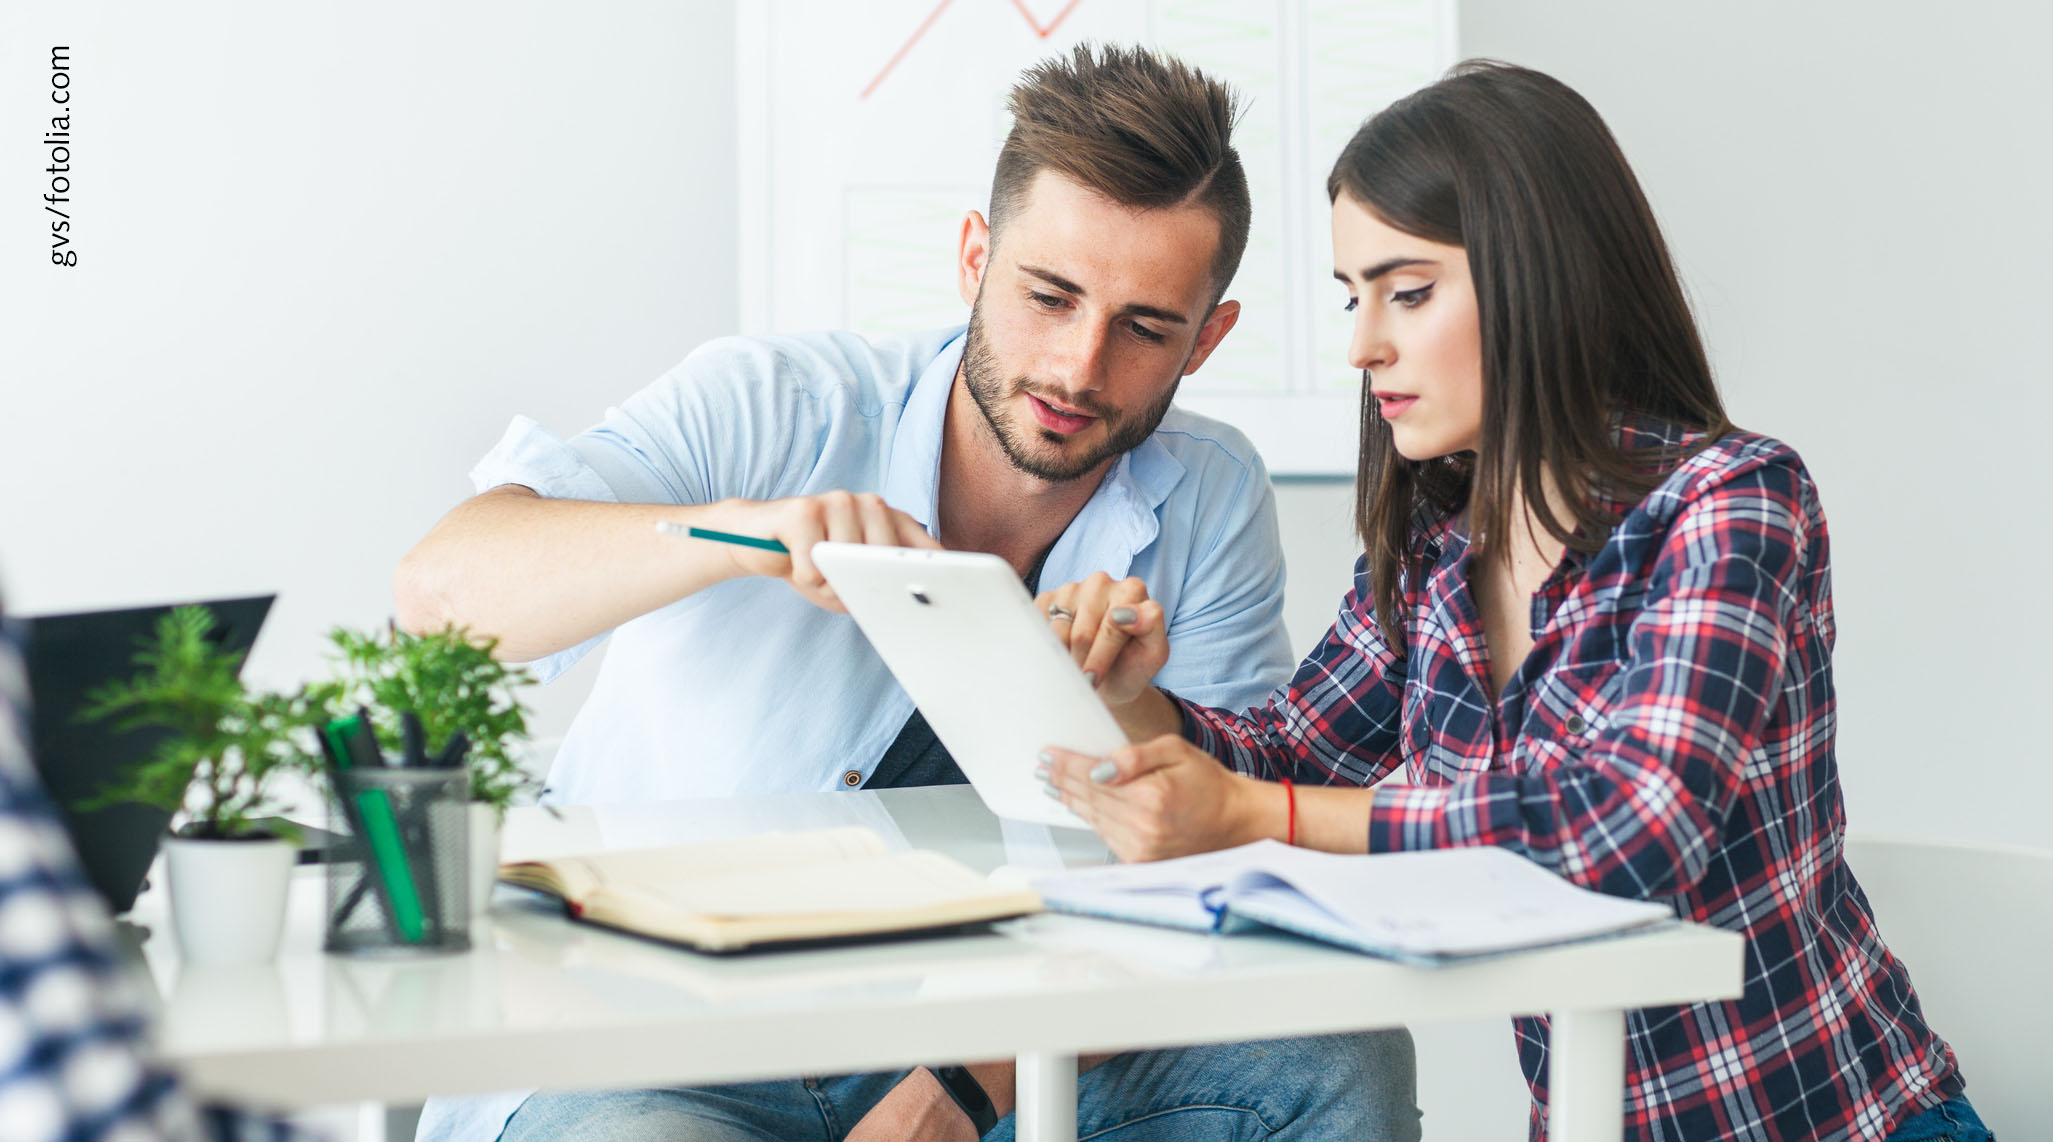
868 130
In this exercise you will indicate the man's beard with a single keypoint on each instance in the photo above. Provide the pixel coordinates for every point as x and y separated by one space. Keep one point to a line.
1124 431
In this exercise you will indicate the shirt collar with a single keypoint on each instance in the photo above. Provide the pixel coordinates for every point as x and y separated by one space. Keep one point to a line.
912 478
1661 442
1119 521
1116 524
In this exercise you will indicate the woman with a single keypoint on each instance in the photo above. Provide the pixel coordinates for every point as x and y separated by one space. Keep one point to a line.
1593 621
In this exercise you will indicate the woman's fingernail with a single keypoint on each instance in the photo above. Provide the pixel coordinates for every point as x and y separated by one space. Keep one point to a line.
1091 676
1045 758
1123 615
1043 772
1053 793
1104 771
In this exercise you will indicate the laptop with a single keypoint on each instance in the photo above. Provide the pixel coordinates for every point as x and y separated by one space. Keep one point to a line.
68 657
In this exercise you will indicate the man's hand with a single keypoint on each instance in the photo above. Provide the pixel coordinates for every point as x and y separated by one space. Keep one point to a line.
801 521
918 1109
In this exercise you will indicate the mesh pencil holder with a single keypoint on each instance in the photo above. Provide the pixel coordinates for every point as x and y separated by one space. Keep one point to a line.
398 887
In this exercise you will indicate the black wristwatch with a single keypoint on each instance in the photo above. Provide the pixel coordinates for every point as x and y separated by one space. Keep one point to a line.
968 1094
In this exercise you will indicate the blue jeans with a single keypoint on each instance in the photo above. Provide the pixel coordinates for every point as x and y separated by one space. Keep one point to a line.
1331 1086
1950 1121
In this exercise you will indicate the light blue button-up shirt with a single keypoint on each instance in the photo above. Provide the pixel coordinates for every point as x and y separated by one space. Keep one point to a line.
746 688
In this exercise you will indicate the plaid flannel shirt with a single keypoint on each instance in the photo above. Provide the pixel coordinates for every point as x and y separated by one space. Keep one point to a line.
1669 738
74 1063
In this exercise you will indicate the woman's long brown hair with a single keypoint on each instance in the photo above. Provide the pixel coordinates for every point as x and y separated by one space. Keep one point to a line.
1582 315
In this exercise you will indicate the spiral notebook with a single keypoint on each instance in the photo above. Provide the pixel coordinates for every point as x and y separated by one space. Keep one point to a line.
1422 907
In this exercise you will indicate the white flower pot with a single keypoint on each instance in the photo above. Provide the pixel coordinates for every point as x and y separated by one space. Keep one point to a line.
228 898
484 855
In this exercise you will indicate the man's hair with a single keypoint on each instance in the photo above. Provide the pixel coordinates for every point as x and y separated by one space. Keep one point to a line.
1144 130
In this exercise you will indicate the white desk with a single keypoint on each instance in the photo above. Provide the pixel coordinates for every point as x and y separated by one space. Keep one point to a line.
544 1002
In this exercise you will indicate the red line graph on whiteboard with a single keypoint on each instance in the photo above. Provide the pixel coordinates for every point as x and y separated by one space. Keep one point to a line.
1034 22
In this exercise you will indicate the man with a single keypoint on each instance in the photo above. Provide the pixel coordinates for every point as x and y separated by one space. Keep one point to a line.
1043 434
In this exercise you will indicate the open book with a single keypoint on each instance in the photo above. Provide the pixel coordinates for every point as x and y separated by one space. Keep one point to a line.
775 888
1423 907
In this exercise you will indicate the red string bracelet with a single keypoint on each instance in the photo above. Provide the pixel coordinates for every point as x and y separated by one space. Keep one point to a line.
1290 795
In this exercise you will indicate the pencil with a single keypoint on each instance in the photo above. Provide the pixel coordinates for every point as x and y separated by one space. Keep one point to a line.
668 528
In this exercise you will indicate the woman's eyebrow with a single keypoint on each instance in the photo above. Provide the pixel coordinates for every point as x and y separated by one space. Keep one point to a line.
1384 267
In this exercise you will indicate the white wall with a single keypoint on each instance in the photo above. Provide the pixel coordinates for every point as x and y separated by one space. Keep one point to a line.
1856 195
326 251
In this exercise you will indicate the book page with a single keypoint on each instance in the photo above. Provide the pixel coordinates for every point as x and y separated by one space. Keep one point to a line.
577 878
880 882
1449 903
1171 893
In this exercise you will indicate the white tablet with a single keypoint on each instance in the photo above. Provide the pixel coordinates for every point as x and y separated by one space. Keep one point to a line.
965 640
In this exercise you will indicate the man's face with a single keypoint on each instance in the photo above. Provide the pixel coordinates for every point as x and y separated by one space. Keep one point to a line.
1083 319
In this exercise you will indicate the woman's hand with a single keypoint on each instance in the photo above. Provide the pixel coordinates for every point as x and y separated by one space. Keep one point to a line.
1116 634
1161 798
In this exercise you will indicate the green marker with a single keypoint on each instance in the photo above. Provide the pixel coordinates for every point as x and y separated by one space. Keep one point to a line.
381 832
668 528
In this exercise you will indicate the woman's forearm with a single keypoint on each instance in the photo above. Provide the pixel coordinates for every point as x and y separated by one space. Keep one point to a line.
1149 716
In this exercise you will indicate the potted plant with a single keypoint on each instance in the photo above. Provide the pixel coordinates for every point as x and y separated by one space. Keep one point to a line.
223 745
452 684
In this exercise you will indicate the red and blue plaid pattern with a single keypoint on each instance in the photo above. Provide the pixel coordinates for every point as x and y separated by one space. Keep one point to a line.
74 1064
1669 738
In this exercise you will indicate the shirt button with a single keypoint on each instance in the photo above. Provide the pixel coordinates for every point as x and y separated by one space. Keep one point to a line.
1575 724
852 778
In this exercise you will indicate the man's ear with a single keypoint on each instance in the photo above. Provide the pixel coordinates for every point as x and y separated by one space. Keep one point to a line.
972 255
1212 332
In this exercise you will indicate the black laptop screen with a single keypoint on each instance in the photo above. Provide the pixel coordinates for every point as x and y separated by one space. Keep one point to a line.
68 657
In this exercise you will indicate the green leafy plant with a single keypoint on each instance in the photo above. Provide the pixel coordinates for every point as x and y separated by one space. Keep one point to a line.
225 742
452 684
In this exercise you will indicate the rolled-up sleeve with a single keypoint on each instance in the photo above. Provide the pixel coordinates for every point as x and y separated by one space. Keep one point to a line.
530 456
727 421
1231 647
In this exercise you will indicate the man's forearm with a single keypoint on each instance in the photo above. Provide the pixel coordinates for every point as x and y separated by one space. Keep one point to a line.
543 575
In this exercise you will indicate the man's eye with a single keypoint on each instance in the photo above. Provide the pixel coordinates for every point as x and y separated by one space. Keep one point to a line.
1045 301
1412 298
1351 303
1147 334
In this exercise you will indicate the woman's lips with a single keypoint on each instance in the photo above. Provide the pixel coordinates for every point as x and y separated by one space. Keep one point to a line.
1392 405
1056 420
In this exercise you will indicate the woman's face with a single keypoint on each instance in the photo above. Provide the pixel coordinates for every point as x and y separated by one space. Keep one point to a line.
1415 331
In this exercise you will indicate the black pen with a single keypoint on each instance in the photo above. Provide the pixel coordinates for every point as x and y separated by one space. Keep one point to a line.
416 754
363 742
453 751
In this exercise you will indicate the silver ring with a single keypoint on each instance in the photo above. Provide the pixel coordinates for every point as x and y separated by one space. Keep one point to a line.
1059 612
